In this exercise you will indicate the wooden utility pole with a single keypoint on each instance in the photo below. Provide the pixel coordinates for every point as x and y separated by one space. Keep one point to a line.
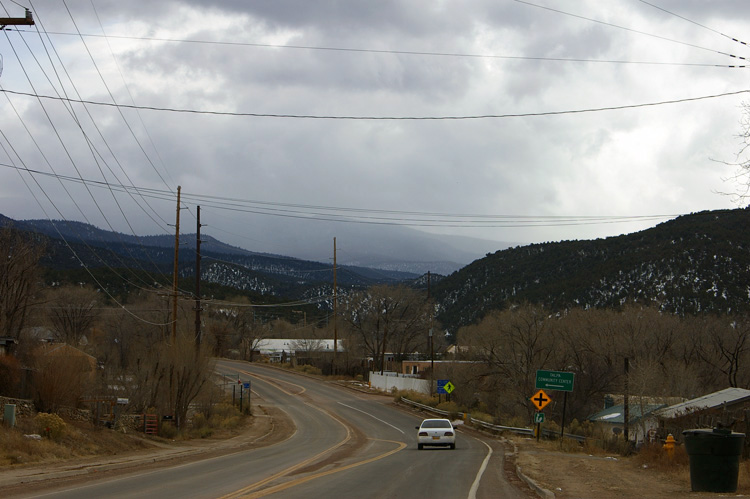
198 281
432 348
176 269
335 308
626 415
17 21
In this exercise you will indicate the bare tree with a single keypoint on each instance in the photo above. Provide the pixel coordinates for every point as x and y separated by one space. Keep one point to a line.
512 344
386 317
19 280
191 371
726 347
307 346
72 312
741 162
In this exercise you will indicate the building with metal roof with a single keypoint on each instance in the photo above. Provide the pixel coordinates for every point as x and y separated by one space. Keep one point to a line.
726 398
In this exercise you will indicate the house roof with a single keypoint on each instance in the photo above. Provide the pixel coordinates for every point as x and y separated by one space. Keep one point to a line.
64 349
729 396
616 413
269 345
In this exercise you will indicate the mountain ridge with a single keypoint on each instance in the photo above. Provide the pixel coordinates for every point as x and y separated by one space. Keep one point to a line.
688 265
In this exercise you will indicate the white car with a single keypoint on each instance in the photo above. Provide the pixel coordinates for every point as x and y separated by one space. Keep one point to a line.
436 432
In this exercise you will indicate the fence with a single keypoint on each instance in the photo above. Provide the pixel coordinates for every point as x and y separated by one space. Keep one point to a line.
386 382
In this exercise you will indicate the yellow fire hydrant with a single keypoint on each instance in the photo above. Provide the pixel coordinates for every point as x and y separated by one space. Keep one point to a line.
669 446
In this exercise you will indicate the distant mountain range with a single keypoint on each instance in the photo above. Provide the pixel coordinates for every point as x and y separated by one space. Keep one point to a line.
389 247
72 245
695 263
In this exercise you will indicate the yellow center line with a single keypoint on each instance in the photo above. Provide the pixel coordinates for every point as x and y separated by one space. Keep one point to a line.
297 466
275 382
299 481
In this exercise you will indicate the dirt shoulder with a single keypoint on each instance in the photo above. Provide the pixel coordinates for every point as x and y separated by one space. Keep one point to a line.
582 475
267 426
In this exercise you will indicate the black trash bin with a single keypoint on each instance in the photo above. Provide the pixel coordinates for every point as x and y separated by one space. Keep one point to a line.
714 459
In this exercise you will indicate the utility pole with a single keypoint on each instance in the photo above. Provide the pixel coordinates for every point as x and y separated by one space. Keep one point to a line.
198 281
17 21
335 309
176 269
432 348
626 415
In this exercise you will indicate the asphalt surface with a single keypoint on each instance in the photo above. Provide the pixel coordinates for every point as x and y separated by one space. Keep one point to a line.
341 444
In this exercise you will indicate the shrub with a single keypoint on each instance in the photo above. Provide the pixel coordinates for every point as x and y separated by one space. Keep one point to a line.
308 369
653 455
451 407
168 430
223 411
50 425
225 416
199 421
576 428
10 376
204 432
482 416
418 397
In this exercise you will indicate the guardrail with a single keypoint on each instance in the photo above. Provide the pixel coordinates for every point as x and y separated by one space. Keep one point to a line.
494 427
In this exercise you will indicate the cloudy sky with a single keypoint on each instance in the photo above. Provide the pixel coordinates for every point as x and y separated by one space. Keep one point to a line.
344 110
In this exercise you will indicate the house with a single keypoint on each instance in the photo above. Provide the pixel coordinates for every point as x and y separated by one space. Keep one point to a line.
64 351
418 367
642 423
6 345
726 399
724 407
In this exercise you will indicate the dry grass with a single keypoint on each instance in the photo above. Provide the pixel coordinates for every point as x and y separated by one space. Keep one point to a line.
77 440
655 457
82 439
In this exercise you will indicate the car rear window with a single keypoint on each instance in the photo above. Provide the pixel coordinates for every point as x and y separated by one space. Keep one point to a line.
436 423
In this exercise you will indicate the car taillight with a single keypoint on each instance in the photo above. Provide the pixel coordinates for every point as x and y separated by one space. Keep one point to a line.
423 434
448 433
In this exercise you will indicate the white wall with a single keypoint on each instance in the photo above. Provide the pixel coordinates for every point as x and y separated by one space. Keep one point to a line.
386 382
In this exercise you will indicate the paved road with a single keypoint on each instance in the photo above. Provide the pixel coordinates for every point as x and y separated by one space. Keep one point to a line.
345 444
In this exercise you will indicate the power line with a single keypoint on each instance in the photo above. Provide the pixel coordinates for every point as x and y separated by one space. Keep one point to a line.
111 95
362 215
631 30
692 22
127 89
385 51
67 244
72 161
384 118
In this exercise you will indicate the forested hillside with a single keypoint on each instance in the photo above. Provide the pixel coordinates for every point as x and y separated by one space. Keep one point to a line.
694 263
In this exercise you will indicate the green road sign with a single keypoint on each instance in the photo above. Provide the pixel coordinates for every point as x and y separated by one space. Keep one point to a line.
555 380
449 387
538 417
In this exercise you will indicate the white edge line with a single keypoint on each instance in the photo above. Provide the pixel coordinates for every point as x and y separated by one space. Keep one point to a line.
363 412
475 485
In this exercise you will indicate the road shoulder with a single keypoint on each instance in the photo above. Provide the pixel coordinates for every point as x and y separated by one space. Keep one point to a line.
269 425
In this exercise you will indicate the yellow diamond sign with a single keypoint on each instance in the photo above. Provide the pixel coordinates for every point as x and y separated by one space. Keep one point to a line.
449 387
540 400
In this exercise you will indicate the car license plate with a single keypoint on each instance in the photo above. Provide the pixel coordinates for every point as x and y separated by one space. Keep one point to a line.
435 438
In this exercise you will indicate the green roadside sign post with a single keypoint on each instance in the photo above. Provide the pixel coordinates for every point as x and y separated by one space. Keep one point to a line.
538 420
560 381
